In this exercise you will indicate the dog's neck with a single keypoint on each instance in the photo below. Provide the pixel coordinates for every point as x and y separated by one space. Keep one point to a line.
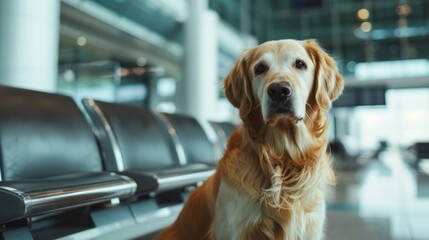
286 150
287 137
286 144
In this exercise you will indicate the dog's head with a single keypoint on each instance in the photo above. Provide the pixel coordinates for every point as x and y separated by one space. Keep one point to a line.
283 80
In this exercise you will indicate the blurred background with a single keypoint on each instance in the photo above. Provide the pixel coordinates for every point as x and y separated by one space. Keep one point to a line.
172 56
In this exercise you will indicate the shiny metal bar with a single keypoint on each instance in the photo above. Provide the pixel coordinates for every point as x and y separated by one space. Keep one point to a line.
172 132
172 182
109 137
65 198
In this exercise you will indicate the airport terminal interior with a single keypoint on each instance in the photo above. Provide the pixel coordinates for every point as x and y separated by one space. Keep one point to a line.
112 111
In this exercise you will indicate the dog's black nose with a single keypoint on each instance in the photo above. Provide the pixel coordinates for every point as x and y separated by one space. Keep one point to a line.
278 92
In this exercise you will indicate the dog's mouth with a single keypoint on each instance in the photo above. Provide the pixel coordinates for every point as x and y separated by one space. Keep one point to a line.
281 109
282 113
274 119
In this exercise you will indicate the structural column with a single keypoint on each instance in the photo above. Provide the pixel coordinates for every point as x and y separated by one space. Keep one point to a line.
29 33
198 89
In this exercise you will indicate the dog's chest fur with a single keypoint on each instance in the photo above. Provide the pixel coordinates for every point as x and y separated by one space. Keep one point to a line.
239 216
234 213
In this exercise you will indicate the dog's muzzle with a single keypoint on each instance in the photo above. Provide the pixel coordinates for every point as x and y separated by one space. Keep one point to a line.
280 98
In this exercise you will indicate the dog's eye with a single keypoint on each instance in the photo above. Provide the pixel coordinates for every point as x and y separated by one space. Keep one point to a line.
299 64
260 68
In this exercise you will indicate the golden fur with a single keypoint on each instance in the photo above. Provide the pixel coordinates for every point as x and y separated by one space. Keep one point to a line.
272 179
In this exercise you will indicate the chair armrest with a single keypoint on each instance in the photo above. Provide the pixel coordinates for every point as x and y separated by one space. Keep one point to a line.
182 176
146 181
35 196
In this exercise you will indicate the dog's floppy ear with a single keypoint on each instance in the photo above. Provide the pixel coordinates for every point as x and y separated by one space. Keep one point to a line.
328 82
235 82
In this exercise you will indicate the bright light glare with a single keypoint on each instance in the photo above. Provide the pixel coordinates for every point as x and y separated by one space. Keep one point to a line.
81 41
366 27
403 10
141 61
363 14
392 69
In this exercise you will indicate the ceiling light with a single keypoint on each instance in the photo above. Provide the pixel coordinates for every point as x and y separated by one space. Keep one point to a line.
141 61
363 14
81 41
366 27
403 10
69 75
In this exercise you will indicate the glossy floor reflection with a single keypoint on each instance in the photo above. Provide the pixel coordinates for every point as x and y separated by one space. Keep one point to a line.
383 199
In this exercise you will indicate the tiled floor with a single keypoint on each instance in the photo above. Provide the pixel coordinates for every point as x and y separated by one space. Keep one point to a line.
384 199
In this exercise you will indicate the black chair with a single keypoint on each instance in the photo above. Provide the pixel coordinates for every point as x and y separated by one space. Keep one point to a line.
49 158
135 143
417 152
196 145
223 131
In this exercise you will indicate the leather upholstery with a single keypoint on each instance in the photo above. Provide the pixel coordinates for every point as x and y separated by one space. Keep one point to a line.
71 180
146 145
197 146
49 157
228 128
140 137
223 131
43 134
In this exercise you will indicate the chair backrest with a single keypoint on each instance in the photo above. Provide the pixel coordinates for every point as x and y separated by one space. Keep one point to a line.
228 128
136 132
43 134
197 146
223 131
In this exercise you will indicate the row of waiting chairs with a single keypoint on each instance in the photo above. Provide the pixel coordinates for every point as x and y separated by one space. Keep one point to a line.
106 166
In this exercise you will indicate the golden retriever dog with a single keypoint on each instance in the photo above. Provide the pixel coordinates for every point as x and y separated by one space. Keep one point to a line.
272 180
